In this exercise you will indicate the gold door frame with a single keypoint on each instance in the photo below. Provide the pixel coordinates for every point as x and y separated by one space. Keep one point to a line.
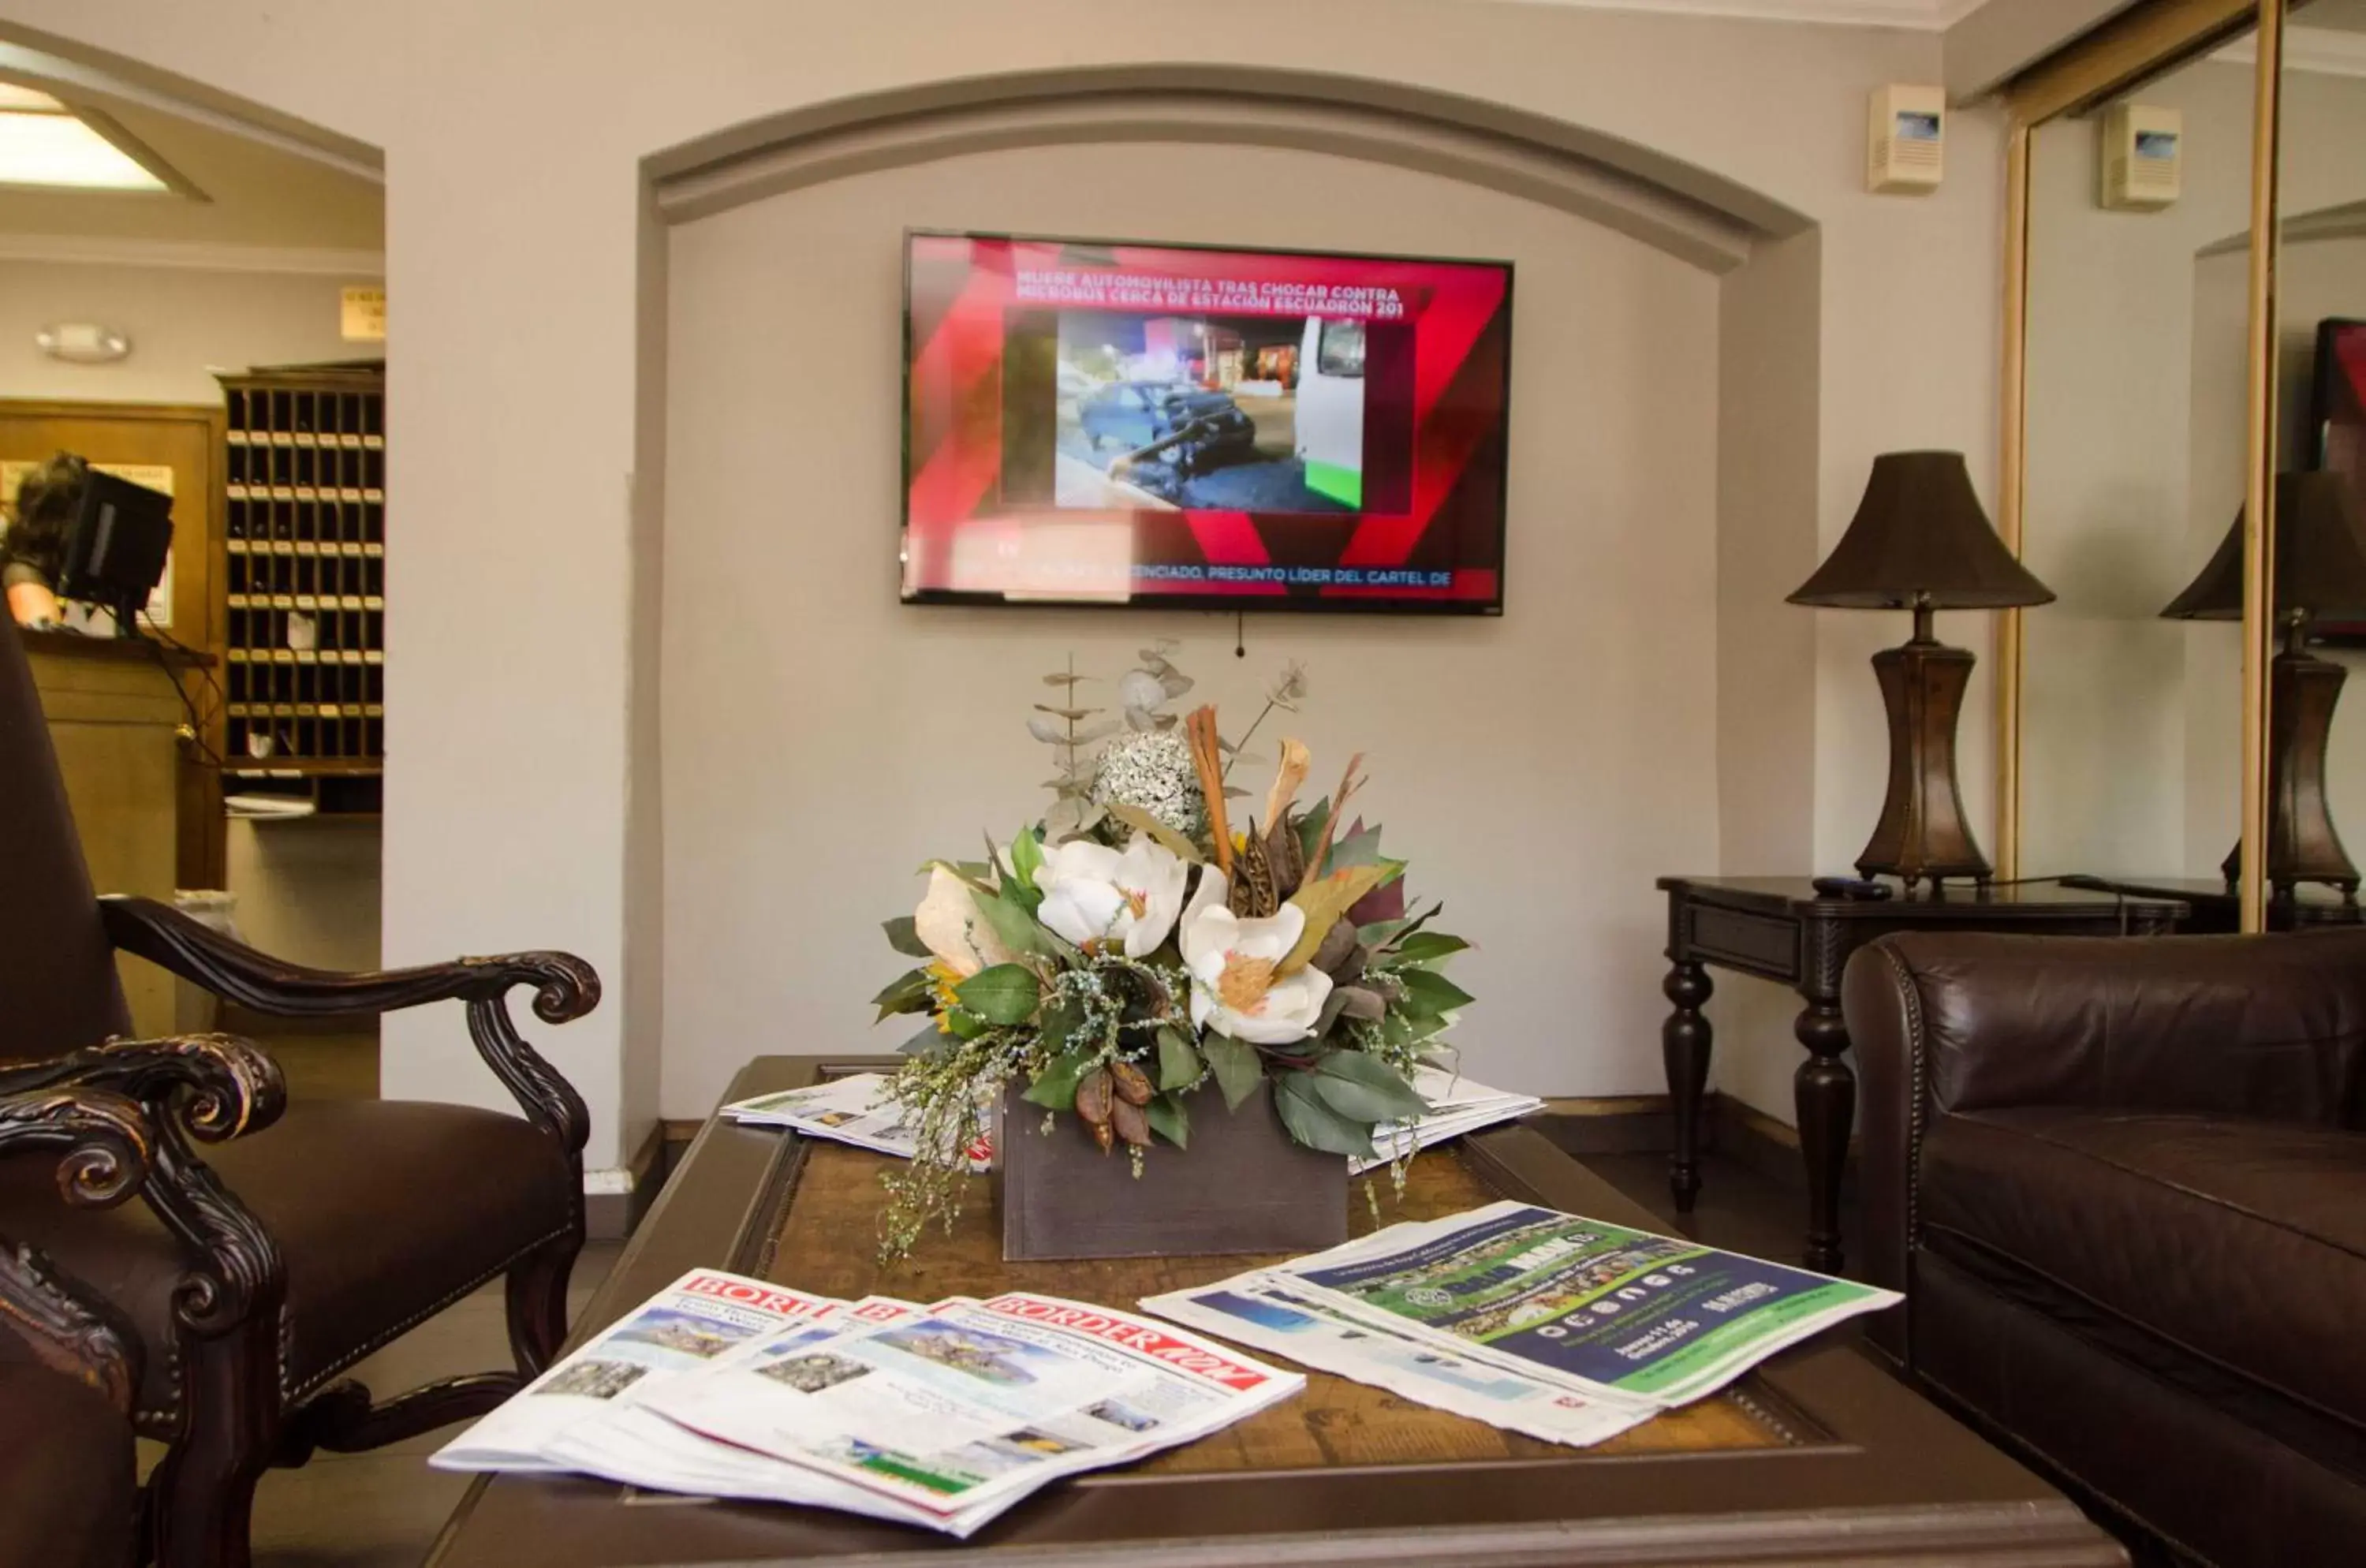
2140 43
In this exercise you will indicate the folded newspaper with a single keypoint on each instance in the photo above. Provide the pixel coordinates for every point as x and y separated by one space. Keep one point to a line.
942 1415
1511 1313
852 1110
1457 1105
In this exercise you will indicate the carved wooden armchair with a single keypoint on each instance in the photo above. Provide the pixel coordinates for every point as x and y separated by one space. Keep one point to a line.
310 1235
68 1368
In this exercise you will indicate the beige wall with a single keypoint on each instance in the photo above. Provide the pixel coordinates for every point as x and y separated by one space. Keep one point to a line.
821 738
183 321
515 252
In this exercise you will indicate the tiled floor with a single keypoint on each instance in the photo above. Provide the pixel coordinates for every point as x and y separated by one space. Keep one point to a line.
382 1510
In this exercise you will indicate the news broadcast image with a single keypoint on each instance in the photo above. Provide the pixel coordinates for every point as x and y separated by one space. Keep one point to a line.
1093 421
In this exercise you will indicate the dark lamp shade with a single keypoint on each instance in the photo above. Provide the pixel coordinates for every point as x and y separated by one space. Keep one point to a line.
2320 557
1920 534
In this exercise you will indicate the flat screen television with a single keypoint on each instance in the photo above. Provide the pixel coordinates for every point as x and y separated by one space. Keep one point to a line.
1101 421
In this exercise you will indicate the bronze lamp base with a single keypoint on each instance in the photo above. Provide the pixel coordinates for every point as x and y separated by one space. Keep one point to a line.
2302 845
1922 833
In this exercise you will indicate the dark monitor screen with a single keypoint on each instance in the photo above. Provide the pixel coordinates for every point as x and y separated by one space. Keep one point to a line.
114 551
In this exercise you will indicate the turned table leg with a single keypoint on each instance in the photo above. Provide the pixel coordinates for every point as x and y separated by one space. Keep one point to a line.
1683 1048
1824 1093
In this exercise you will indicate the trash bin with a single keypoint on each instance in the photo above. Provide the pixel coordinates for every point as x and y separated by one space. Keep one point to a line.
196 1010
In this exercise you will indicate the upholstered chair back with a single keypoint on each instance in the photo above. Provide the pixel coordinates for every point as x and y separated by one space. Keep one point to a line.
58 985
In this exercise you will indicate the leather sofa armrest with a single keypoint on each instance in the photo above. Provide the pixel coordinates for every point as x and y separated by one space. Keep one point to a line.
565 987
2266 1026
106 1147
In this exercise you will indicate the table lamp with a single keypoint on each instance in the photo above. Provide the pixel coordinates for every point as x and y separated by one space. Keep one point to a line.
2320 571
1920 542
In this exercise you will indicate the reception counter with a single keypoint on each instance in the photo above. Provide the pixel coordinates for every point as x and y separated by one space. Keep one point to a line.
115 716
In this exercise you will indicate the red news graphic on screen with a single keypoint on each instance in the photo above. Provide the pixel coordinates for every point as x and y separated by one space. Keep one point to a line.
1104 423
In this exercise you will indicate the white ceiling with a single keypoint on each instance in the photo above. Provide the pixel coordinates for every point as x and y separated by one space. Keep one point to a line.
256 197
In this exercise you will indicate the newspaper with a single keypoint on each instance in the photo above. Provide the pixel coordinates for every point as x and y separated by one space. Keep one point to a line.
1457 1105
852 1110
699 1317
1257 1310
1597 1308
965 1409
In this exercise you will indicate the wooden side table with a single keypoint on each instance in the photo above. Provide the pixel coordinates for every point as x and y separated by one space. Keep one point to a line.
1777 928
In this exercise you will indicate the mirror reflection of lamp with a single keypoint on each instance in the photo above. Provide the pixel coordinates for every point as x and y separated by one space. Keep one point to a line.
2320 571
1920 542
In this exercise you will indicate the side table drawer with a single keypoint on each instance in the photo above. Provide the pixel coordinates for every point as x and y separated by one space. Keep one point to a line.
1754 943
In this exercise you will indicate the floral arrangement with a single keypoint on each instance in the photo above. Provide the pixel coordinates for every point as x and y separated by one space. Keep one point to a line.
1136 946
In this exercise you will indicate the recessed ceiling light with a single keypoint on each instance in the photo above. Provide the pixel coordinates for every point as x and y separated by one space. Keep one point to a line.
43 143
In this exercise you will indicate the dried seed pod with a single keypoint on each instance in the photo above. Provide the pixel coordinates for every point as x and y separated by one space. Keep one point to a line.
1134 1086
1102 1136
1133 1124
1095 1092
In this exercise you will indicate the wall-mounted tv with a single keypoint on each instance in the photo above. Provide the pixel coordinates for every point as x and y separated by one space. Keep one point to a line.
1099 421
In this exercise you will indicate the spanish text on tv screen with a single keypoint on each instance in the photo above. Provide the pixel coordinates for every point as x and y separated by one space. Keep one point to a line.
1097 421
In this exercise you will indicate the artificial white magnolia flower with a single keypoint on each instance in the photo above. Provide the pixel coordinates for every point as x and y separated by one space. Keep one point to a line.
948 925
1093 893
1233 988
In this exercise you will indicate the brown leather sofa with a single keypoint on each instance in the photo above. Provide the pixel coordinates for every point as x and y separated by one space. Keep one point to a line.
2123 1184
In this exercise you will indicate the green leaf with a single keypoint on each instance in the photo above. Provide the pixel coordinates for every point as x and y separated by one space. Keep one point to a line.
1142 821
1429 947
964 1024
1169 1120
1428 994
1380 933
1322 902
1059 1021
1236 1064
1026 860
1055 1088
1008 993
1178 1062
1358 849
1015 927
904 939
924 1042
1315 1124
1310 829
909 992
1364 1088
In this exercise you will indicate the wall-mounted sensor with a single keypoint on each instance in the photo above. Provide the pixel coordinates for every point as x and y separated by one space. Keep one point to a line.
1905 140
2141 158
83 343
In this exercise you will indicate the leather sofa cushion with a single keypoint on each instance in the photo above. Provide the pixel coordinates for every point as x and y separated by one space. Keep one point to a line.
2234 1249
382 1210
67 1498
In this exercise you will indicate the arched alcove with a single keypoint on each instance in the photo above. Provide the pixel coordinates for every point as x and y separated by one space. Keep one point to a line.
810 733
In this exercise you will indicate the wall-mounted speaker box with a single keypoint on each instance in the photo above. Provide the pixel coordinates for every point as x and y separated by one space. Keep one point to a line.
1905 140
2141 158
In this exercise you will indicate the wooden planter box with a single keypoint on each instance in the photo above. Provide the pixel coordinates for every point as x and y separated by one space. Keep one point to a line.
1240 1186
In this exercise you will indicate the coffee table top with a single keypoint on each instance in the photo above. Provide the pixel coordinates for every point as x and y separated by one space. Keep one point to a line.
1819 1451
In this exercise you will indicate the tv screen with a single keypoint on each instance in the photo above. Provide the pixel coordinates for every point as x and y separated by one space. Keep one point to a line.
2338 411
1097 422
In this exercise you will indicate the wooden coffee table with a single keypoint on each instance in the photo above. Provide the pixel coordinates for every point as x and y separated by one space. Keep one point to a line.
1818 1457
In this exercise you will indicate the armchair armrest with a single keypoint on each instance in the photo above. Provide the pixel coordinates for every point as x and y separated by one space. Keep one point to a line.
107 1146
565 987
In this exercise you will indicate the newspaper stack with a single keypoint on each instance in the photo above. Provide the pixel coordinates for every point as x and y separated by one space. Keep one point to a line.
940 1415
1562 1328
1457 1105
852 1110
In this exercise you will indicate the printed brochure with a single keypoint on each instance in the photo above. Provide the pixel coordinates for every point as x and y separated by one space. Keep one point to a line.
852 1110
